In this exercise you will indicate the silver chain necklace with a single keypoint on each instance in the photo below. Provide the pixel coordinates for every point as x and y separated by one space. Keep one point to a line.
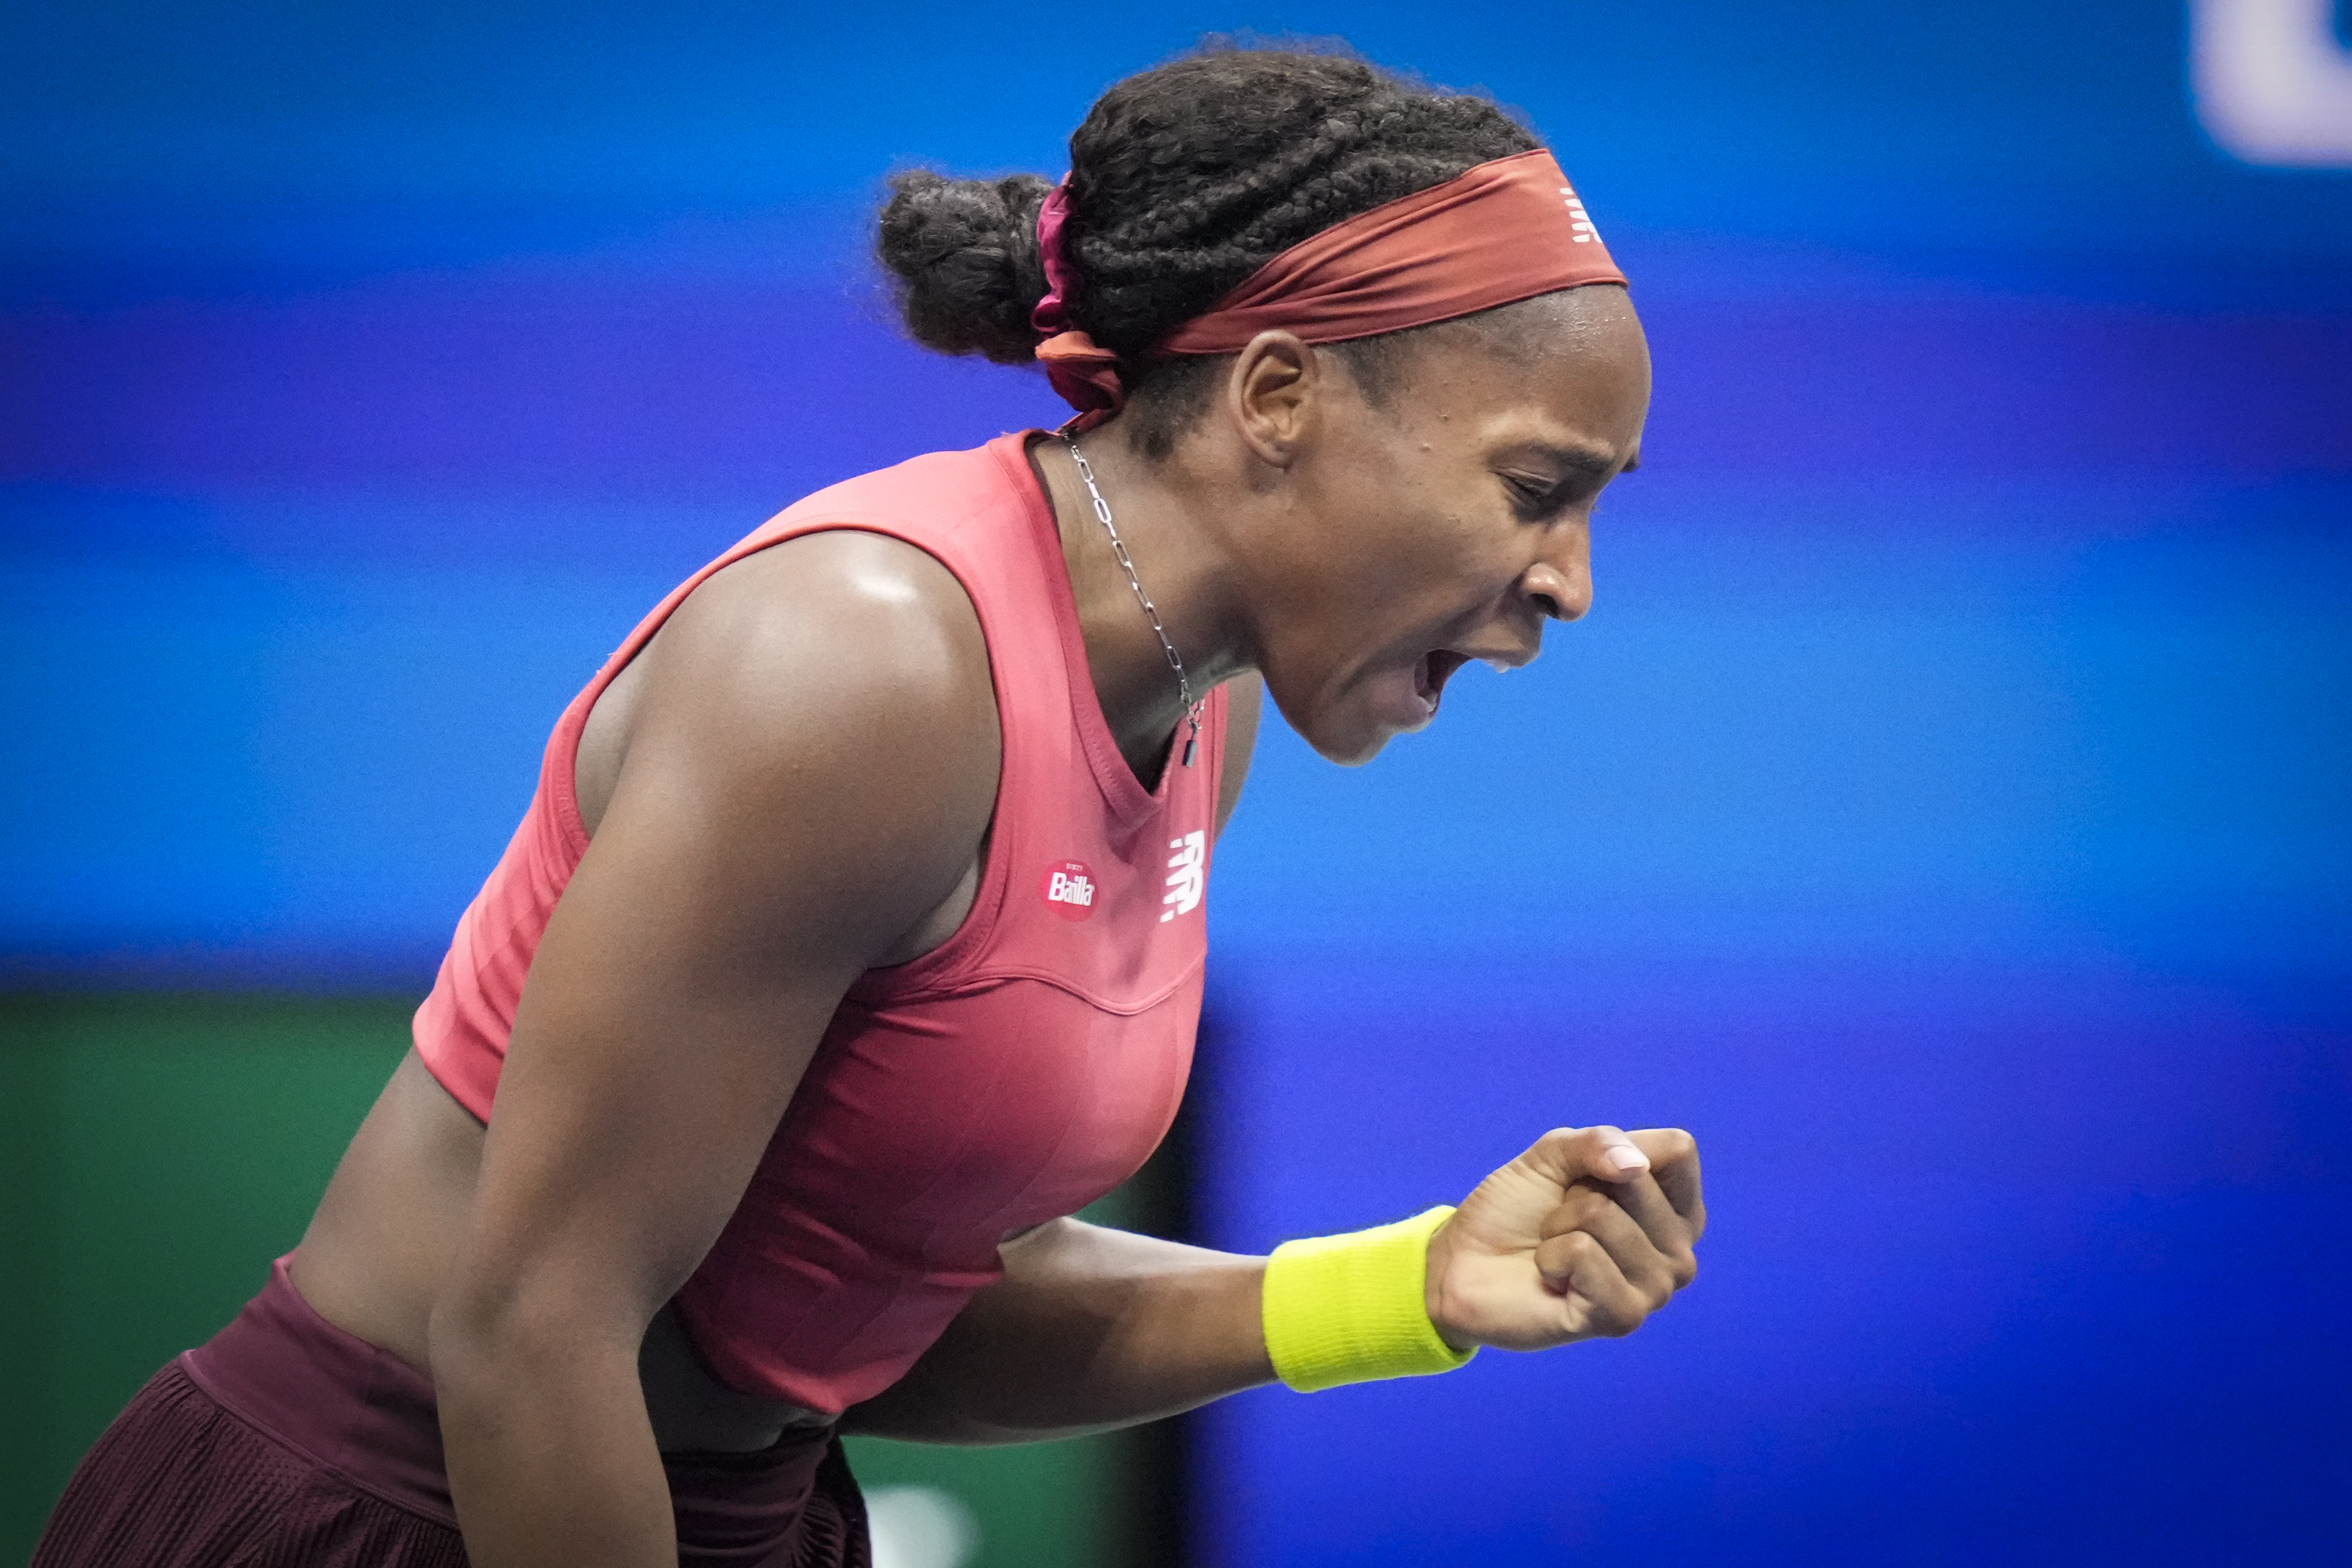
1183 685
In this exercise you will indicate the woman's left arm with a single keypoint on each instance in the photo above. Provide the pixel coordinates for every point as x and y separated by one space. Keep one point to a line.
1090 1328
1581 1237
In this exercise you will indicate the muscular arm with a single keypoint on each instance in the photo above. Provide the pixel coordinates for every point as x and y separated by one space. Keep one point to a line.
1090 1328
809 765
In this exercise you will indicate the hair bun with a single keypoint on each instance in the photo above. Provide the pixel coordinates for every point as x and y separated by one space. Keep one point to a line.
963 257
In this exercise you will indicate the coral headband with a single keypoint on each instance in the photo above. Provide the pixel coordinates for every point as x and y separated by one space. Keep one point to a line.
1504 231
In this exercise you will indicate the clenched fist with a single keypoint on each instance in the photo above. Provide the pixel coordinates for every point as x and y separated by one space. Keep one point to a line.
1585 1235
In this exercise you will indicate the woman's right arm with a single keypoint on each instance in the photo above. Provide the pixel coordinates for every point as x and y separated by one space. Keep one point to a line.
808 769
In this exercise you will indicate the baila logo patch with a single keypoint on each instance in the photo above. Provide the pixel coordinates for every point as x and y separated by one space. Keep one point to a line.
1069 890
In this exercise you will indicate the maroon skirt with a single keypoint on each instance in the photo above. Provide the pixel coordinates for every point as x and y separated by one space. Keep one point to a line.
287 1443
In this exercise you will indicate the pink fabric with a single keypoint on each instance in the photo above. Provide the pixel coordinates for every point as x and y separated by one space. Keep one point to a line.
1052 314
1507 230
1084 373
1015 1074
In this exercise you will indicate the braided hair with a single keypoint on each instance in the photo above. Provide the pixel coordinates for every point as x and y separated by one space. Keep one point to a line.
1183 180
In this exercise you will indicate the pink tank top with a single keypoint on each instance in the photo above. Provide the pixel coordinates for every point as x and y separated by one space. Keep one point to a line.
1013 1075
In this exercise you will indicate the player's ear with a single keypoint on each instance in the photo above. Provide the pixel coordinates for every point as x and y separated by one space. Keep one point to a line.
1273 394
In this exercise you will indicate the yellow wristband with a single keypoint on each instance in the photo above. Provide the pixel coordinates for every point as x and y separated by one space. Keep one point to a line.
1348 1309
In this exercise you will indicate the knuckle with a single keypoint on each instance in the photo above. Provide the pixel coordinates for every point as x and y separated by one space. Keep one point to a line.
1575 1256
1616 1323
1655 1285
1585 1204
1556 1148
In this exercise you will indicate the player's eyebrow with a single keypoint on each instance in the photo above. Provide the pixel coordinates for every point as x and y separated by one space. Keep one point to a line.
1596 462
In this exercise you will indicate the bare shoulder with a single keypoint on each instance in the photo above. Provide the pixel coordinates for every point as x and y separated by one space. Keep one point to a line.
828 612
823 710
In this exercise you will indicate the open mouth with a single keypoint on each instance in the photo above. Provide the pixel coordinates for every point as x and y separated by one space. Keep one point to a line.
1434 669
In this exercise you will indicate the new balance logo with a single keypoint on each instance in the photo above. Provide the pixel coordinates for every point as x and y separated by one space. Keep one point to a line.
1188 871
1578 219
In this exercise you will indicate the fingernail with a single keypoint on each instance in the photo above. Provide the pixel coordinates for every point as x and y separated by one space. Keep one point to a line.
1626 1157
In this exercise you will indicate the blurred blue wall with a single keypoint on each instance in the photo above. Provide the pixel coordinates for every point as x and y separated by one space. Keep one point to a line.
1945 813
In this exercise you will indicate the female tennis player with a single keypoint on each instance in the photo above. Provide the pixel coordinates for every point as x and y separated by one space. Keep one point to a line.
853 939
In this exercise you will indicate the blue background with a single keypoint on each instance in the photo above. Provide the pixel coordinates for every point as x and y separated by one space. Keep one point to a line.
1945 813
